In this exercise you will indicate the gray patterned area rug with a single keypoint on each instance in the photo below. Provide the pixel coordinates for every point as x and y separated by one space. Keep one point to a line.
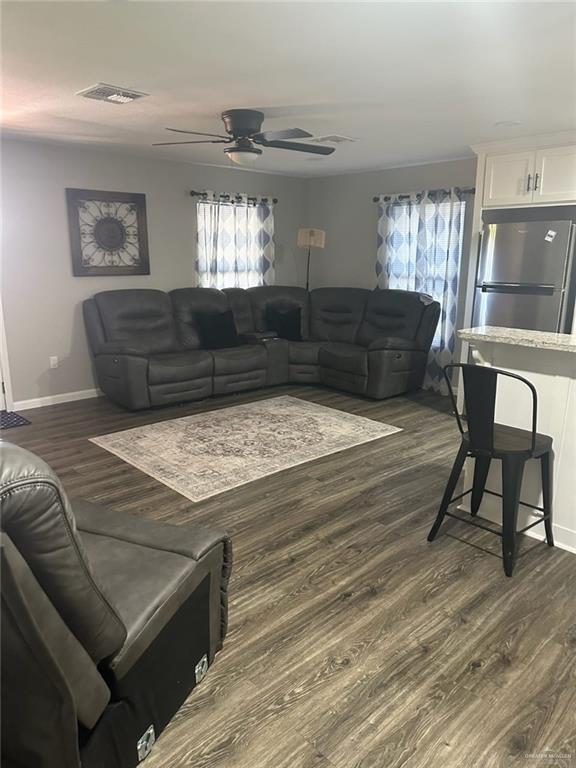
209 453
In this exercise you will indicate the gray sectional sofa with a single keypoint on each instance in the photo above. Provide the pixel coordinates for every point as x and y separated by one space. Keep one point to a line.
147 347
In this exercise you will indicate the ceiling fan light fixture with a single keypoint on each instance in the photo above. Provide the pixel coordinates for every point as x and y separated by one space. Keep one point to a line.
242 153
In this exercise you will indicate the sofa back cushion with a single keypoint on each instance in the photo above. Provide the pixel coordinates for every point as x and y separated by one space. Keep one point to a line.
190 302
217 330
281 297
141 318
287 323
392 313
239 302
336 313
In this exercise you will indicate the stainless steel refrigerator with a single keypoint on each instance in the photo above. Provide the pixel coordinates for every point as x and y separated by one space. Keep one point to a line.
524 276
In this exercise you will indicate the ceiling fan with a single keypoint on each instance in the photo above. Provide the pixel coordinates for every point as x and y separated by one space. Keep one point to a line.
245 137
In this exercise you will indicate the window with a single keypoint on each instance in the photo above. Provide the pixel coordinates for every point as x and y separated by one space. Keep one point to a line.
420 239
235 243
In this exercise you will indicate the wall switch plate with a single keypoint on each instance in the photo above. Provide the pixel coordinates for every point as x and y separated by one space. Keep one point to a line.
53 361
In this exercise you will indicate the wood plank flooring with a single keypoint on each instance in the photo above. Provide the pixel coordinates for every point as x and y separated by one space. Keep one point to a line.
354 643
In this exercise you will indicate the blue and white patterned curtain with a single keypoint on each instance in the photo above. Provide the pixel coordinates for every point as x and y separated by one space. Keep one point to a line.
235 241
419 249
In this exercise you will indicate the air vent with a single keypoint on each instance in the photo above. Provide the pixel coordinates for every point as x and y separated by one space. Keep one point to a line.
333 138
112 93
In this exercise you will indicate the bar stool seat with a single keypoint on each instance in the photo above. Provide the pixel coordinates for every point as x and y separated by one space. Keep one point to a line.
485 440
513 440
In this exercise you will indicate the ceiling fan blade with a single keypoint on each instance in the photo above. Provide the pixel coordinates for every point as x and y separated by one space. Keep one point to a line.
197 133
287 133
206 141
310 148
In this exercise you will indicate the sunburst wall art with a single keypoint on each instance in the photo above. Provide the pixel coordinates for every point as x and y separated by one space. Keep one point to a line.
108 234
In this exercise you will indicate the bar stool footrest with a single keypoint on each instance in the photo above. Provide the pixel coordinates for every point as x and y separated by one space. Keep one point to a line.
541 518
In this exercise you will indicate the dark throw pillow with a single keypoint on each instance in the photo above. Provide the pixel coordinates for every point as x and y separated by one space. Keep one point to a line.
286 322
217 329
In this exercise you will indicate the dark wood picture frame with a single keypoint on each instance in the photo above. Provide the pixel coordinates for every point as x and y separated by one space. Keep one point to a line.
106 235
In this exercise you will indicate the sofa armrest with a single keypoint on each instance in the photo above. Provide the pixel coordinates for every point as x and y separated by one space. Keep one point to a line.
191 540
209 550
118 348
428 325
124 378
394 342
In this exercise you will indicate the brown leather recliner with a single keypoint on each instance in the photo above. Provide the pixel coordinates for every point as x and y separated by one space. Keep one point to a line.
108 622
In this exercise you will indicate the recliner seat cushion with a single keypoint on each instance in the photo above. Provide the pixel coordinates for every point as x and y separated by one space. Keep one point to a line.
348 358
349 382
180 366
140 318
243 359
336 313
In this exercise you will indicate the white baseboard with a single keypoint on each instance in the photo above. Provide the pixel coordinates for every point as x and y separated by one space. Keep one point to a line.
65 397
564 538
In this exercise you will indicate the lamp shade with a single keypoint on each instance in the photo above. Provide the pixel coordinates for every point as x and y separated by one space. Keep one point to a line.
311 238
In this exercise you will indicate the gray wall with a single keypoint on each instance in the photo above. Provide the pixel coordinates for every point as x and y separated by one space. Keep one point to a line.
342 205
42 299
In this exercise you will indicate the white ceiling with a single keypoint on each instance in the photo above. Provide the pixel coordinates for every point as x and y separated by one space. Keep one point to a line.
412 82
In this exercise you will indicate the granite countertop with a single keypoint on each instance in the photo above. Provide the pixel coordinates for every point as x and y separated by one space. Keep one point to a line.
560 342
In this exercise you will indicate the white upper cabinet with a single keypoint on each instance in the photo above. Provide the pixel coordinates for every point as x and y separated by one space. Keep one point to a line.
528 178
555 175
508 179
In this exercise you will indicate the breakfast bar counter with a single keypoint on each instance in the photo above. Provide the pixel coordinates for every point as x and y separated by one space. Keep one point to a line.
548 361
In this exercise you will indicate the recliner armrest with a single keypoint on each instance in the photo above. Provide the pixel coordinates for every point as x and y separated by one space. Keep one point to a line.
118 348
395 343
192 541
124 378
428 325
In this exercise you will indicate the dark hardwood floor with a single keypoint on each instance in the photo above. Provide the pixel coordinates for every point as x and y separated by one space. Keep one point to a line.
353 642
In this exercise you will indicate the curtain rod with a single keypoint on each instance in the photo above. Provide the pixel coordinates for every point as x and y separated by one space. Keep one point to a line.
378 198
235 198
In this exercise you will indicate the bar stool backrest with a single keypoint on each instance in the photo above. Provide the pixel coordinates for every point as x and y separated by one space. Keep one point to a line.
480 384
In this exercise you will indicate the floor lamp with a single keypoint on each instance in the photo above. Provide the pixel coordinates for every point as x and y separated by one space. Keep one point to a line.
310 238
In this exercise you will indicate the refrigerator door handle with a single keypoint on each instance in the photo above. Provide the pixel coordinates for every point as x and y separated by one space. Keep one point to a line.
539 288
568 295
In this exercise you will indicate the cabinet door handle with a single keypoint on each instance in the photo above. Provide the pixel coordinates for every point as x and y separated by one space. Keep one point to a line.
536 181
528 188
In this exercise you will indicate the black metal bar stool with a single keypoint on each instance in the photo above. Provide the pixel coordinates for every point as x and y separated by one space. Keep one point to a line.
485 440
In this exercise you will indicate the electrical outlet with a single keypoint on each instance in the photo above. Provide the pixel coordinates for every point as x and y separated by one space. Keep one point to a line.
53 361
